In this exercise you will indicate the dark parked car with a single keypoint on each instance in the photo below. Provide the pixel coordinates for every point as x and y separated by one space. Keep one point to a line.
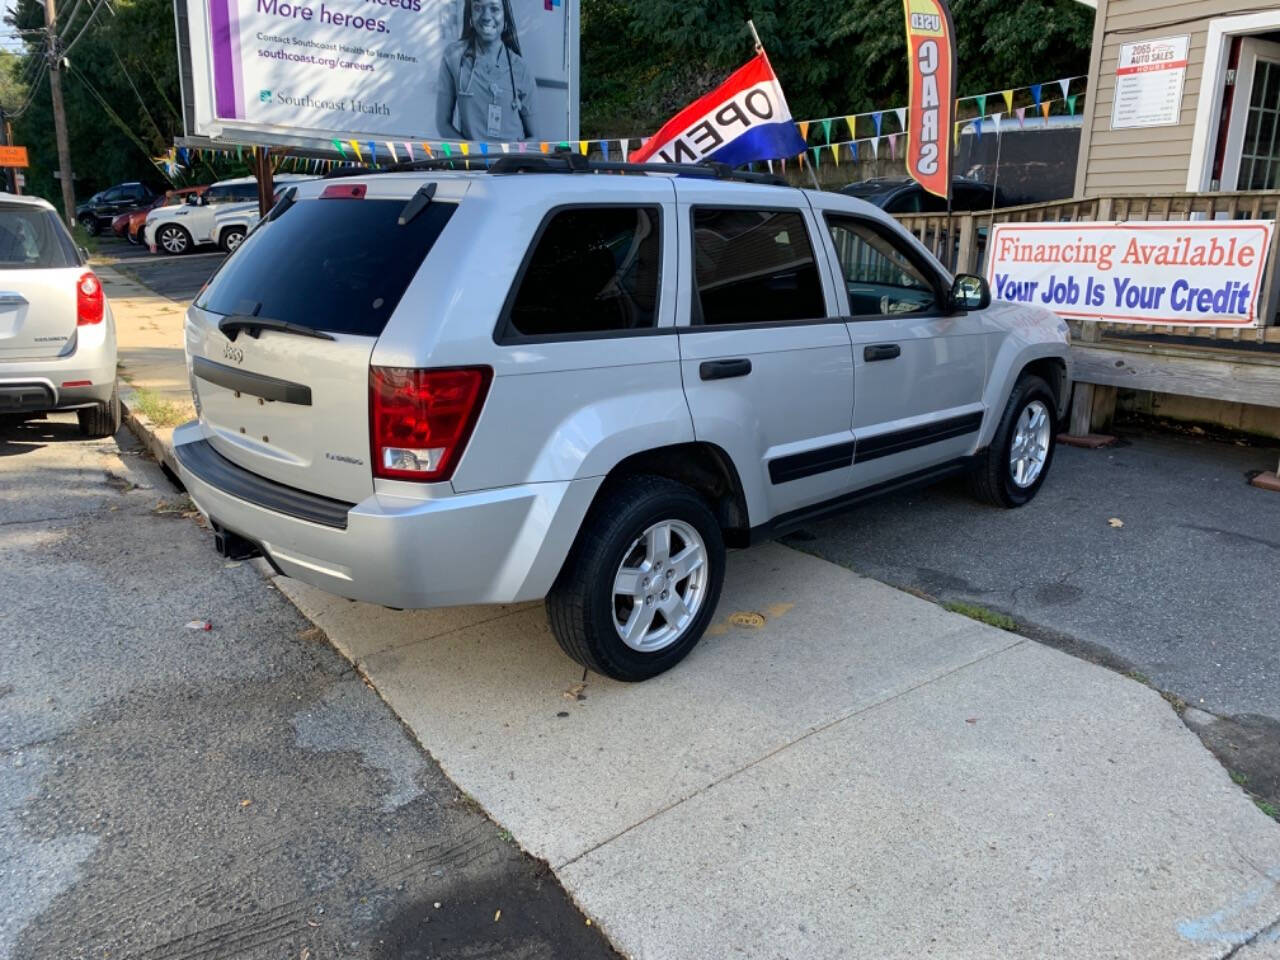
96 213
902 195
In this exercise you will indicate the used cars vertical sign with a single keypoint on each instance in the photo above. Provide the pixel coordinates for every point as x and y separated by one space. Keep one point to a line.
931 53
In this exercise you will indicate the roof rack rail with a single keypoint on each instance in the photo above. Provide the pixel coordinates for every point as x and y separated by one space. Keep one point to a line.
576 163
562 162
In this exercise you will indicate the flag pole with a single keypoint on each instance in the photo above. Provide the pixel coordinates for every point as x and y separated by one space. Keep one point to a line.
760 50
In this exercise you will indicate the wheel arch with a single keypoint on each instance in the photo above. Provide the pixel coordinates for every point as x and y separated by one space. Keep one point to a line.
705 468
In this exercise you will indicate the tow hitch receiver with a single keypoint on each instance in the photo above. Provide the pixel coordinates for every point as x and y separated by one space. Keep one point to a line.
232 545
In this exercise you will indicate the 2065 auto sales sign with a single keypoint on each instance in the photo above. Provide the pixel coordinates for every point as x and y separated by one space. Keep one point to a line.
1186 274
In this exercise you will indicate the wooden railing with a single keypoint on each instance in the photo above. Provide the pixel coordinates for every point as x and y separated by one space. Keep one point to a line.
961 243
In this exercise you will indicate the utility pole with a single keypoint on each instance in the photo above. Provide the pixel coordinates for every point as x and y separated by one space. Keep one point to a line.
59 114
6 138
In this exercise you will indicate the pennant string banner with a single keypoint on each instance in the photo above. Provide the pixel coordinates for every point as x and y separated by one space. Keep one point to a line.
349 151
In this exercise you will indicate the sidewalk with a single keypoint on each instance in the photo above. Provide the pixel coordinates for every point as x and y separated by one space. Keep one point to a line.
864 775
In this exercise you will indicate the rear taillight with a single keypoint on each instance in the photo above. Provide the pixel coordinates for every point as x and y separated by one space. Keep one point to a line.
90 302
420 420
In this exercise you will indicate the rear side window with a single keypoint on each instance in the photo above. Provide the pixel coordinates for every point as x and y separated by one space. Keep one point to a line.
31 237
335 265
754 266
592 270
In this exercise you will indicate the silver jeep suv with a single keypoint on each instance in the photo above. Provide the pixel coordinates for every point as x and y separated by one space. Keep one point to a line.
582 382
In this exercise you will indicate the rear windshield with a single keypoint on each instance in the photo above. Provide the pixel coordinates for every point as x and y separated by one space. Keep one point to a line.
334 265
33 237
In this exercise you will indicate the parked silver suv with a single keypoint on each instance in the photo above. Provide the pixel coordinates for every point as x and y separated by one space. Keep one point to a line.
432 387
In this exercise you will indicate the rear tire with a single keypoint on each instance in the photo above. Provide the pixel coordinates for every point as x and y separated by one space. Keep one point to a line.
1030 420
102 420
622 541
231 238
174 239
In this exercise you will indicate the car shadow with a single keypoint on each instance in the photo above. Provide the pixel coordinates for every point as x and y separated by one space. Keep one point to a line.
19 435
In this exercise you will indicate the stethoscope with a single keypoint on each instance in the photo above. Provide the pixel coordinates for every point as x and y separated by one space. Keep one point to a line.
471 77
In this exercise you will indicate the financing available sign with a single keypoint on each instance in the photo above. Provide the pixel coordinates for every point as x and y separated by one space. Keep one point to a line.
1180 273
285 71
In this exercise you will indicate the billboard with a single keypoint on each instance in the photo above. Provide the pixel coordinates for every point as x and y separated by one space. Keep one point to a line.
312 71
1180 273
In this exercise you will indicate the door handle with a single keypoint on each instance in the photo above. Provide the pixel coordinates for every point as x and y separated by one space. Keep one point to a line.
724 369
881 351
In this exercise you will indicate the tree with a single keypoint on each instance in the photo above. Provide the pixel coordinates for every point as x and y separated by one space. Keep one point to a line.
121 93
644 59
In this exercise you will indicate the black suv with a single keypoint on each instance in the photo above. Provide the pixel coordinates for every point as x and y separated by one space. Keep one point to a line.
98 211
901 195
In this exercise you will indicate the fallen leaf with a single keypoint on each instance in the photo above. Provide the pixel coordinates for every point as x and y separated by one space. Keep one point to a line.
199 625
305 954
1116 522
497 916
312 922
245 803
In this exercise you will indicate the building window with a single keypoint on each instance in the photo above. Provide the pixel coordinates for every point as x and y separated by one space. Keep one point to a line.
1260 153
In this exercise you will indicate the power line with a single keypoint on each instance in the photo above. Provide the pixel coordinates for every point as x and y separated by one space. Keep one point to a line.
134 87
89 22
114 116
70 19
34 89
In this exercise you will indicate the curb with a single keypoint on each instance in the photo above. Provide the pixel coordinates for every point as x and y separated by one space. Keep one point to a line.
148 434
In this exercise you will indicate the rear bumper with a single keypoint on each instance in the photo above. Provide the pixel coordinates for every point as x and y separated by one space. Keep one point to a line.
492 546
37 385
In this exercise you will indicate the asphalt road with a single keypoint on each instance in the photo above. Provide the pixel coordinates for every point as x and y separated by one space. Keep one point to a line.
178 278
1185 592
232 793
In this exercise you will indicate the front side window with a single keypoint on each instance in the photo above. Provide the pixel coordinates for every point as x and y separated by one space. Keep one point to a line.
881 279
754 266
592 270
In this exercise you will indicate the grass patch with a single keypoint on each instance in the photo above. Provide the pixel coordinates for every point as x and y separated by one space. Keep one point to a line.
1239 779
1270 809
82 239
161 412
982 615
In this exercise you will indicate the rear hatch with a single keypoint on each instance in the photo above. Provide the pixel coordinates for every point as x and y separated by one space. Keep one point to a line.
280 339
39 269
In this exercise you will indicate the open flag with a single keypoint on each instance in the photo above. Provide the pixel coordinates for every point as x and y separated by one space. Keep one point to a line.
744 120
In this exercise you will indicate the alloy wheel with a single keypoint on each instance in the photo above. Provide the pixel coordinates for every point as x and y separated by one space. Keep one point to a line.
1030 446
660 586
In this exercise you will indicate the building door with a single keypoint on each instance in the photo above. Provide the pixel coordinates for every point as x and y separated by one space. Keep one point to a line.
1252 157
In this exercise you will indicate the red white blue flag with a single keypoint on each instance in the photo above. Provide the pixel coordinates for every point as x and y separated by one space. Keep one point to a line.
743 120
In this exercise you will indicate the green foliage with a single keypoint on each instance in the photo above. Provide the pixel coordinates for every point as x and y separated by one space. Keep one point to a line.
130 60
644 59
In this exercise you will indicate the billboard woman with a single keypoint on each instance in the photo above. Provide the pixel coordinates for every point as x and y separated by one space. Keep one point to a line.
486 87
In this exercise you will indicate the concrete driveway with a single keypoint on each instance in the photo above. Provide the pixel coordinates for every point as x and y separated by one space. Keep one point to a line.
863 775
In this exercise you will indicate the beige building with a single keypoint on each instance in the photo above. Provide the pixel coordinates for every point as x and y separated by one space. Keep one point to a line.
1225 136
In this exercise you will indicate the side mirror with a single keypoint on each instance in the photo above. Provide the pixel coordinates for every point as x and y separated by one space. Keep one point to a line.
970 292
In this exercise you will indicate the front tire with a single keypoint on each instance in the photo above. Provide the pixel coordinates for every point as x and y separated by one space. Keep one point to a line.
1011 471
173 239
642 582
103 420
91 225
231 238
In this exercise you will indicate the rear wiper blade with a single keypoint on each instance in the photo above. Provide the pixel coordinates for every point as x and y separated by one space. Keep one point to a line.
231 327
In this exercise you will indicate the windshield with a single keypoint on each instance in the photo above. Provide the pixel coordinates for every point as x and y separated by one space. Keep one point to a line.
33 237
335 265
